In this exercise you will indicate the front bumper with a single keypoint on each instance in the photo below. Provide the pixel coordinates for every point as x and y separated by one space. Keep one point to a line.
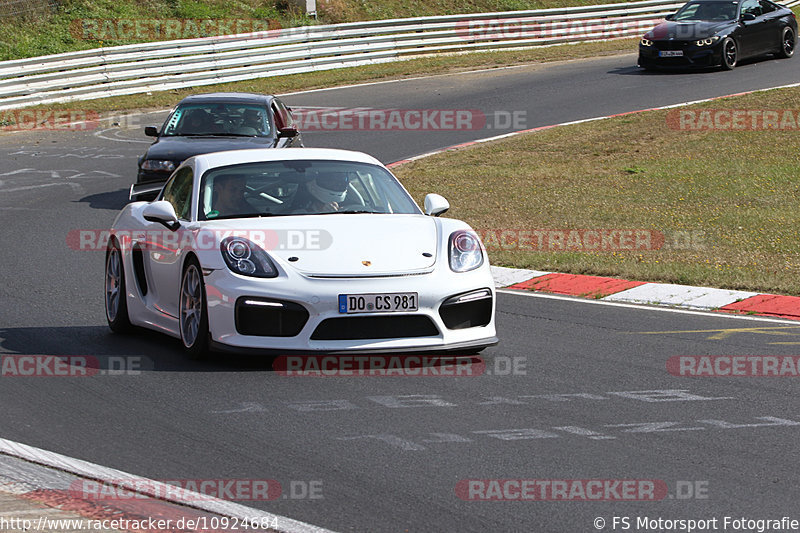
693 56
324 330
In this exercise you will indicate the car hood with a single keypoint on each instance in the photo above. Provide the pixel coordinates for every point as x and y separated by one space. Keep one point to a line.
686 31
181 148
342 245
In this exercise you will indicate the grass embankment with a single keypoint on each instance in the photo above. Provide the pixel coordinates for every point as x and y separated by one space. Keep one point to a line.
726 201
45 31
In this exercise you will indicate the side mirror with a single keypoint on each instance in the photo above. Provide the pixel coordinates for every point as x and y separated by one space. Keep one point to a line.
669 17
287 132
151 131
161 212
435 205
748 17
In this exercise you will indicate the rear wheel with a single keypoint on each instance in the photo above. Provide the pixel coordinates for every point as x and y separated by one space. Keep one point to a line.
193 311
115 296
730 53
787 43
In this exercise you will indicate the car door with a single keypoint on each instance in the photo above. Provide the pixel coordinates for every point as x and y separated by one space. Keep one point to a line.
164 246
771 18
754 33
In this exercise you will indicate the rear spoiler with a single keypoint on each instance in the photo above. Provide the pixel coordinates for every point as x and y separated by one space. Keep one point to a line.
139 189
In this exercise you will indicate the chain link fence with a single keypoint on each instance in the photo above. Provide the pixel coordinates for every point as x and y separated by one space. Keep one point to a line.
15 8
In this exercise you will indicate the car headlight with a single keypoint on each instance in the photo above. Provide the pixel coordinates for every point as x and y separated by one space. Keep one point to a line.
158 164
707 42
245 258
465 251
647 42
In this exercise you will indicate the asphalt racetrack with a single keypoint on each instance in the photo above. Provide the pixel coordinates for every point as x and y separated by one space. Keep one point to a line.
576 390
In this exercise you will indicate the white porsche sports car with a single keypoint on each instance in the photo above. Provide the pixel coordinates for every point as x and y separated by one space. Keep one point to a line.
298 250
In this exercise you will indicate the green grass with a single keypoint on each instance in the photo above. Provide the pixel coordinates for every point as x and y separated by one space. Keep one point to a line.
49 32
350 10
725 201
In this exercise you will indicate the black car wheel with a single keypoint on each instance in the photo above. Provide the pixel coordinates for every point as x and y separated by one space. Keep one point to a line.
116 300
193 312
787 43
730 53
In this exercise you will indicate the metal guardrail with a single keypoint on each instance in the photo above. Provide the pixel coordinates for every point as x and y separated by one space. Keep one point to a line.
164 65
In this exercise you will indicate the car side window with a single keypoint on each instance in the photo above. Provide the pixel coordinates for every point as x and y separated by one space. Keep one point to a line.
767 7
178 192
751 6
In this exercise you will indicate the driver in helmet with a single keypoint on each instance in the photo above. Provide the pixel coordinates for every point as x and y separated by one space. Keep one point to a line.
327 191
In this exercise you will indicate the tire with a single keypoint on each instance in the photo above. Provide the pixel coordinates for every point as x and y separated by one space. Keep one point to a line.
193 311
788 41
730 54
116 302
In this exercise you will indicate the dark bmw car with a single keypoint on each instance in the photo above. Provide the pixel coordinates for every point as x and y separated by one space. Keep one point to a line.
213 122
709 33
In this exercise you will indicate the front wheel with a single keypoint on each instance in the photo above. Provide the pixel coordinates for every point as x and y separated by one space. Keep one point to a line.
730 54
193 311
115 298
787 43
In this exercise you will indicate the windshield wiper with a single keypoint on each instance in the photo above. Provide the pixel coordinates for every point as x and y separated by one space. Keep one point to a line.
350 212
248 215
222 134
217 134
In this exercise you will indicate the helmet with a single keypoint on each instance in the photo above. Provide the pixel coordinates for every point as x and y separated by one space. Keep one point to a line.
330 187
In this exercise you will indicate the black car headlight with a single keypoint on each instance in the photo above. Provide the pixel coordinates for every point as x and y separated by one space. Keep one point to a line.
646 42
158 165
707 42
245 258
465 250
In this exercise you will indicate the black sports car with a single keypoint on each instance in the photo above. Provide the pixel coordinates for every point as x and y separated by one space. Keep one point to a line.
707 33
214 122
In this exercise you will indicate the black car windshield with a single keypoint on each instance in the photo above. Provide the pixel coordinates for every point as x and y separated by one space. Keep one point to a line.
218 119
706 11
302 187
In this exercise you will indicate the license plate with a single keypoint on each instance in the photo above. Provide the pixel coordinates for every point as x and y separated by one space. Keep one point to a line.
378 302
670 53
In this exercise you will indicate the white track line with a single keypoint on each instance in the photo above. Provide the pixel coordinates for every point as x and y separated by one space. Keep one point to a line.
476 71
112 476
585 120
415 78
578 299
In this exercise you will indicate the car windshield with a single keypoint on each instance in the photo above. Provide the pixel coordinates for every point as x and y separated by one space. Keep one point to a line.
301 187
707 11
218 119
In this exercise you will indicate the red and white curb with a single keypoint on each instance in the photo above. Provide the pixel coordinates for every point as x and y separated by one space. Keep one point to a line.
192 503
639 292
